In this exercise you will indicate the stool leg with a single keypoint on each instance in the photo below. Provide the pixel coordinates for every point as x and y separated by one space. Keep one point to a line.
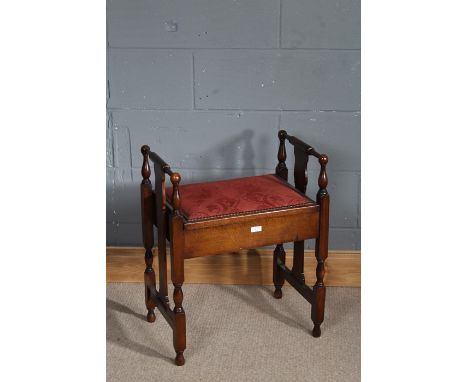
318 303
177 275
321 253
179 328
147 207
278 275
150 284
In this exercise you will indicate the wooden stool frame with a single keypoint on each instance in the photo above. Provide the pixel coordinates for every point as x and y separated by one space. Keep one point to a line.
213 236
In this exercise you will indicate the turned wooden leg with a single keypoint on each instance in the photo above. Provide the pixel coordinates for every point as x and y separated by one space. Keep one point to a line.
179 327
177 274
321 250
278 275
318 303
279 254
147 216
150 284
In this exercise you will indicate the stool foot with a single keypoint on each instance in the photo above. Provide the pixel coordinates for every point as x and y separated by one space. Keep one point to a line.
278 293
179 359
278 276
316 332
150 317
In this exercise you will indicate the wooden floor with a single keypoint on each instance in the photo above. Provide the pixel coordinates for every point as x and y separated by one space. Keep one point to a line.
253 267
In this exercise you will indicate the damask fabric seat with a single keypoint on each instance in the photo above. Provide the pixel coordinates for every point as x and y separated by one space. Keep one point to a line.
201 201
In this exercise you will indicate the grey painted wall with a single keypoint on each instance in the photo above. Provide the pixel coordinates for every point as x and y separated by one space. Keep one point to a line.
208 83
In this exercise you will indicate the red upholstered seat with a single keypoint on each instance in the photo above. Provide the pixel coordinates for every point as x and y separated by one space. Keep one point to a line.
237 196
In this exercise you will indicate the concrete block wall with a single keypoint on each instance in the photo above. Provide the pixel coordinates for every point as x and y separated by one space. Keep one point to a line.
208 83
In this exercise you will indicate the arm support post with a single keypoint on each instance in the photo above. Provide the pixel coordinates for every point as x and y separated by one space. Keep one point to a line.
147 221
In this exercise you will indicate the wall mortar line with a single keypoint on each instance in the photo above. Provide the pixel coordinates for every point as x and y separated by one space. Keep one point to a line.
236 110
190 48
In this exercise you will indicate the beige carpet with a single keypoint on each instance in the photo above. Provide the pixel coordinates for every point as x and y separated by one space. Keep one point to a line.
234 333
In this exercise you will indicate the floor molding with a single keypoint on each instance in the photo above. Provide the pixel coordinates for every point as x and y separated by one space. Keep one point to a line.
254 267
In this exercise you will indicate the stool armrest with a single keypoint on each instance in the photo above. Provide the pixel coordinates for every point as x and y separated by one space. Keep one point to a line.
296 142
156 159
166 169
301 153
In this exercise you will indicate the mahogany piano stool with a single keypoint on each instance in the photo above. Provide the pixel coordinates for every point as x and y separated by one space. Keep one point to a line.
225 216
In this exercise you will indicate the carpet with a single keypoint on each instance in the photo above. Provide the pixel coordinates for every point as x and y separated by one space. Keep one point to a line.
234 333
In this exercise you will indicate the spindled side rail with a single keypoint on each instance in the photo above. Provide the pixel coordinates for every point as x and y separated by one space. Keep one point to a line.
295 277
155 298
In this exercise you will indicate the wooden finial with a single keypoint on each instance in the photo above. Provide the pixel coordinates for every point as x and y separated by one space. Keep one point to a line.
145 168
175 179
281 169
323 178
282 148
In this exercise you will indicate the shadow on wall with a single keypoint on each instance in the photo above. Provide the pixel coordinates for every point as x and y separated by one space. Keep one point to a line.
236 150
231 158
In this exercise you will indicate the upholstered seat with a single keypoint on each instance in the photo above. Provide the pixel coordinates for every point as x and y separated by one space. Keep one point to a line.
200 201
